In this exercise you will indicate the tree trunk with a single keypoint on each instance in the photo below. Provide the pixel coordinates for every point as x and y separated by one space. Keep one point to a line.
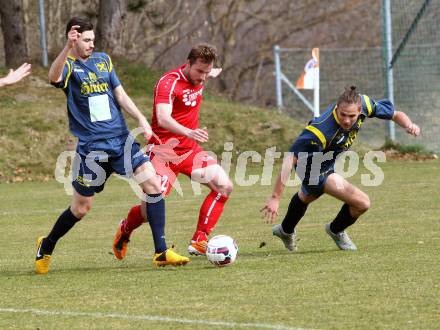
14 34
110 24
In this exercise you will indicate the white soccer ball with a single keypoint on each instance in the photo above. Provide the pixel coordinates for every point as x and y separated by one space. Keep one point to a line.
222 250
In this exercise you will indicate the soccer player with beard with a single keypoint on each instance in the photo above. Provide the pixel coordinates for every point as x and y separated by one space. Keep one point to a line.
175 147
95 98
313 155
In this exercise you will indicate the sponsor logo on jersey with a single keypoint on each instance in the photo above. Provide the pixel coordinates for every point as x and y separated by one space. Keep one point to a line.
92 77
189 97
101 66
91 84
88 88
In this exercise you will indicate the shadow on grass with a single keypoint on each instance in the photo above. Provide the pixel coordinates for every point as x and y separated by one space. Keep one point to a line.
126 266
55 270
266 253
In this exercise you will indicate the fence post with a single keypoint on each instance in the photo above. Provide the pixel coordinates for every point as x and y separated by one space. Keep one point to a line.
388 57
278 90
316 86
43 42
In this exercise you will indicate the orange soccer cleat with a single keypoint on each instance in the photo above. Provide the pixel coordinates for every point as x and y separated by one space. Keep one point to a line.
198 248
120 242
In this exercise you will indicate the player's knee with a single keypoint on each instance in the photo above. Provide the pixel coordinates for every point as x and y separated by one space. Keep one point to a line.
227 188
306 199
80 211
152 186
364 204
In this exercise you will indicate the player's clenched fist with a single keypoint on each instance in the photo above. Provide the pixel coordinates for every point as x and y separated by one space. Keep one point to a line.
413 129
73 35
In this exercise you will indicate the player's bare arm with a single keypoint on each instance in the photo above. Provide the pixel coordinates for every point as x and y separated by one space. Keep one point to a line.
165 120
128 105
15 76
56 69
270 209
402 119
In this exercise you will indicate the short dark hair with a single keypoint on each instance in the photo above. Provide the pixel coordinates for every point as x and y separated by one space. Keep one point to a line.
350 96
84 24
206 54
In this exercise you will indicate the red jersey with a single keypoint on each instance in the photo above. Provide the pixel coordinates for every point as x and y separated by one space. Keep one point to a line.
175 89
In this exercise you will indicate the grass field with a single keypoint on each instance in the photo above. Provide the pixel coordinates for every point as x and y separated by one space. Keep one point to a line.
391 282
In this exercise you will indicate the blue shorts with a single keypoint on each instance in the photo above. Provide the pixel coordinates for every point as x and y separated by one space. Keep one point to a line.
96 160
316 188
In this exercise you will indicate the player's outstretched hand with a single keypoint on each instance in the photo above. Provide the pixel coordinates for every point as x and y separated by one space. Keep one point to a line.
199 135
413 129
16 75
269 212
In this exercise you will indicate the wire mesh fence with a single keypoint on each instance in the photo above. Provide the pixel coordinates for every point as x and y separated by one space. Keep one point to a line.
362 67
416 75
417 68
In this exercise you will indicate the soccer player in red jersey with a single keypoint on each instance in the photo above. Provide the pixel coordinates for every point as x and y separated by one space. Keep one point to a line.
175 147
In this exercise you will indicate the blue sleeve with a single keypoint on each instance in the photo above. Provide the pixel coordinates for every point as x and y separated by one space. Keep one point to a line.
113 78
306 142
383 109
64 77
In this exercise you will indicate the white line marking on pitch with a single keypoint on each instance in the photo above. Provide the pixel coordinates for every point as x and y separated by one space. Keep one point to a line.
148 318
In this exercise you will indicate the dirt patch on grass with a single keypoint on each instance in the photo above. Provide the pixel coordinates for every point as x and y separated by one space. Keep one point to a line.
417 156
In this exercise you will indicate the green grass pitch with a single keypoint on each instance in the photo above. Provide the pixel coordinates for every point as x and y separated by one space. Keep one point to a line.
391 282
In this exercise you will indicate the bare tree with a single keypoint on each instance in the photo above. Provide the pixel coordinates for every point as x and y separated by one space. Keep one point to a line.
14 35
110 23
159 33
245 32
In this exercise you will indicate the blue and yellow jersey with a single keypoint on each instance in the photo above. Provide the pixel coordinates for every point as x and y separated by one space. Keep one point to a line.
324 134
92 108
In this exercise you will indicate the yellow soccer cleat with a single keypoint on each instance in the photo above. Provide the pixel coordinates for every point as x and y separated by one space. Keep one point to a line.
42 261
197 248
169 257
120 243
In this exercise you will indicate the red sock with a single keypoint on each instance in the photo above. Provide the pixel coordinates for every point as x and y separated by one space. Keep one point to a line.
134 220
210 212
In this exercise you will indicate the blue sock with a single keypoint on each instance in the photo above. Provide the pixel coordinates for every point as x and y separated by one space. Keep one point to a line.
156 219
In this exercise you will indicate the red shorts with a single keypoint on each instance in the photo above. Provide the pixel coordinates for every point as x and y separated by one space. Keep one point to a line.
168 164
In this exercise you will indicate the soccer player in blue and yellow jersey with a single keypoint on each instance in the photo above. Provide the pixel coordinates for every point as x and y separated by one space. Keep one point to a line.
95 98
313 155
